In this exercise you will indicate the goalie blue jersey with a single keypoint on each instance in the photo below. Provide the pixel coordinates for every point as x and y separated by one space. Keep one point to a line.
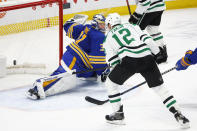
87 48
85 53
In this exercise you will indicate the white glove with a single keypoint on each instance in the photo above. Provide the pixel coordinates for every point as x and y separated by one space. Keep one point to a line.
78 18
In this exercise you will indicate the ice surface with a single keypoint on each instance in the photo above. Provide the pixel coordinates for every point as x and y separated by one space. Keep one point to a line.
69 111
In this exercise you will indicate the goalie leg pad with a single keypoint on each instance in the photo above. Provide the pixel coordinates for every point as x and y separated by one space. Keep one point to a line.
43 89
61 85
40 89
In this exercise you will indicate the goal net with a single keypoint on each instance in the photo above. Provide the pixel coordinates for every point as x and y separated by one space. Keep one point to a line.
31 35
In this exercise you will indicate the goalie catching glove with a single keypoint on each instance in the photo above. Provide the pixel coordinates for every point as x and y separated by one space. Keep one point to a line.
78 18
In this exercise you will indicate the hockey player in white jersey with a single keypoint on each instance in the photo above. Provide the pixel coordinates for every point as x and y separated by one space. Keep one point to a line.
148 16
129 51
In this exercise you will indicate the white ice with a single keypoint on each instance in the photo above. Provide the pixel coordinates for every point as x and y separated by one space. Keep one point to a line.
69 111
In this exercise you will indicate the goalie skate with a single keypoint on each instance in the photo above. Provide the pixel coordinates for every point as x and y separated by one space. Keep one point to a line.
32 94
182 120
116 118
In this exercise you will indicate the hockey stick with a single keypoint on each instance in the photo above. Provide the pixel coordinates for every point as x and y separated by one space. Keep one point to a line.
79 72
129 9
128 6
100 102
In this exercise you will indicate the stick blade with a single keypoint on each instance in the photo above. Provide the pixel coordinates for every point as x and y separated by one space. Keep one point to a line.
95 101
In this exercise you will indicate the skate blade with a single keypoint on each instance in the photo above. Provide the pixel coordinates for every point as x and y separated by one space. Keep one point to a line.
88 79
32 97
117 122
185 126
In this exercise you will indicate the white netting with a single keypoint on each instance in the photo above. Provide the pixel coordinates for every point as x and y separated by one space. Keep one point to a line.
30 36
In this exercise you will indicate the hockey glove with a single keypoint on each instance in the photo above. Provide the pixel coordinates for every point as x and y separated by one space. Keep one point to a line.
161 56
184 62
105 74
78 18
135 18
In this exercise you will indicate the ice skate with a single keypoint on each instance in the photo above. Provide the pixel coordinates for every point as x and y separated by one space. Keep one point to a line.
32 94
182 120
116 117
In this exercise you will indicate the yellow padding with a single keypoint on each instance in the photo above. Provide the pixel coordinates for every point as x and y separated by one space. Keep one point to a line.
54 21
29 25
93 59
180 4
46 83
72 63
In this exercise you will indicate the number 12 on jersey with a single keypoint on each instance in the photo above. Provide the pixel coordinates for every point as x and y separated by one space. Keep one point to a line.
124 37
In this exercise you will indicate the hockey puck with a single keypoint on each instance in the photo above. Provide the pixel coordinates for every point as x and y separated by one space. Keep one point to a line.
14 62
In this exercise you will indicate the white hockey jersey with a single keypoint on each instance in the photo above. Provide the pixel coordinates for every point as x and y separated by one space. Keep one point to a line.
147 6
128 40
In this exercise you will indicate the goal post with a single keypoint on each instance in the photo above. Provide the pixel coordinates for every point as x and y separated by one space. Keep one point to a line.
15 25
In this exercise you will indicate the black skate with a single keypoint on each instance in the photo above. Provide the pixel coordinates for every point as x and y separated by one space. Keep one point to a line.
182 120
117 117
32 94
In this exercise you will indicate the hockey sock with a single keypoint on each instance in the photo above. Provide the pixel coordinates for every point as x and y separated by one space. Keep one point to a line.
156 35
113 94
167 98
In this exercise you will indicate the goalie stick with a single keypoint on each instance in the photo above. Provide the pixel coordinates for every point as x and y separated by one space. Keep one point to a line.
79 72
100 102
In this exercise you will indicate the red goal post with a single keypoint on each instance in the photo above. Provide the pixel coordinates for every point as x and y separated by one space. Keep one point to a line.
33 5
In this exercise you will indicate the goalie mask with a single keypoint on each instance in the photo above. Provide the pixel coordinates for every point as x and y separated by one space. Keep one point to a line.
113 19
98 22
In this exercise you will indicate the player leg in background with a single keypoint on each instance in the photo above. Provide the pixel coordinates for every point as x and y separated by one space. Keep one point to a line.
151 22
42 89
155 81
